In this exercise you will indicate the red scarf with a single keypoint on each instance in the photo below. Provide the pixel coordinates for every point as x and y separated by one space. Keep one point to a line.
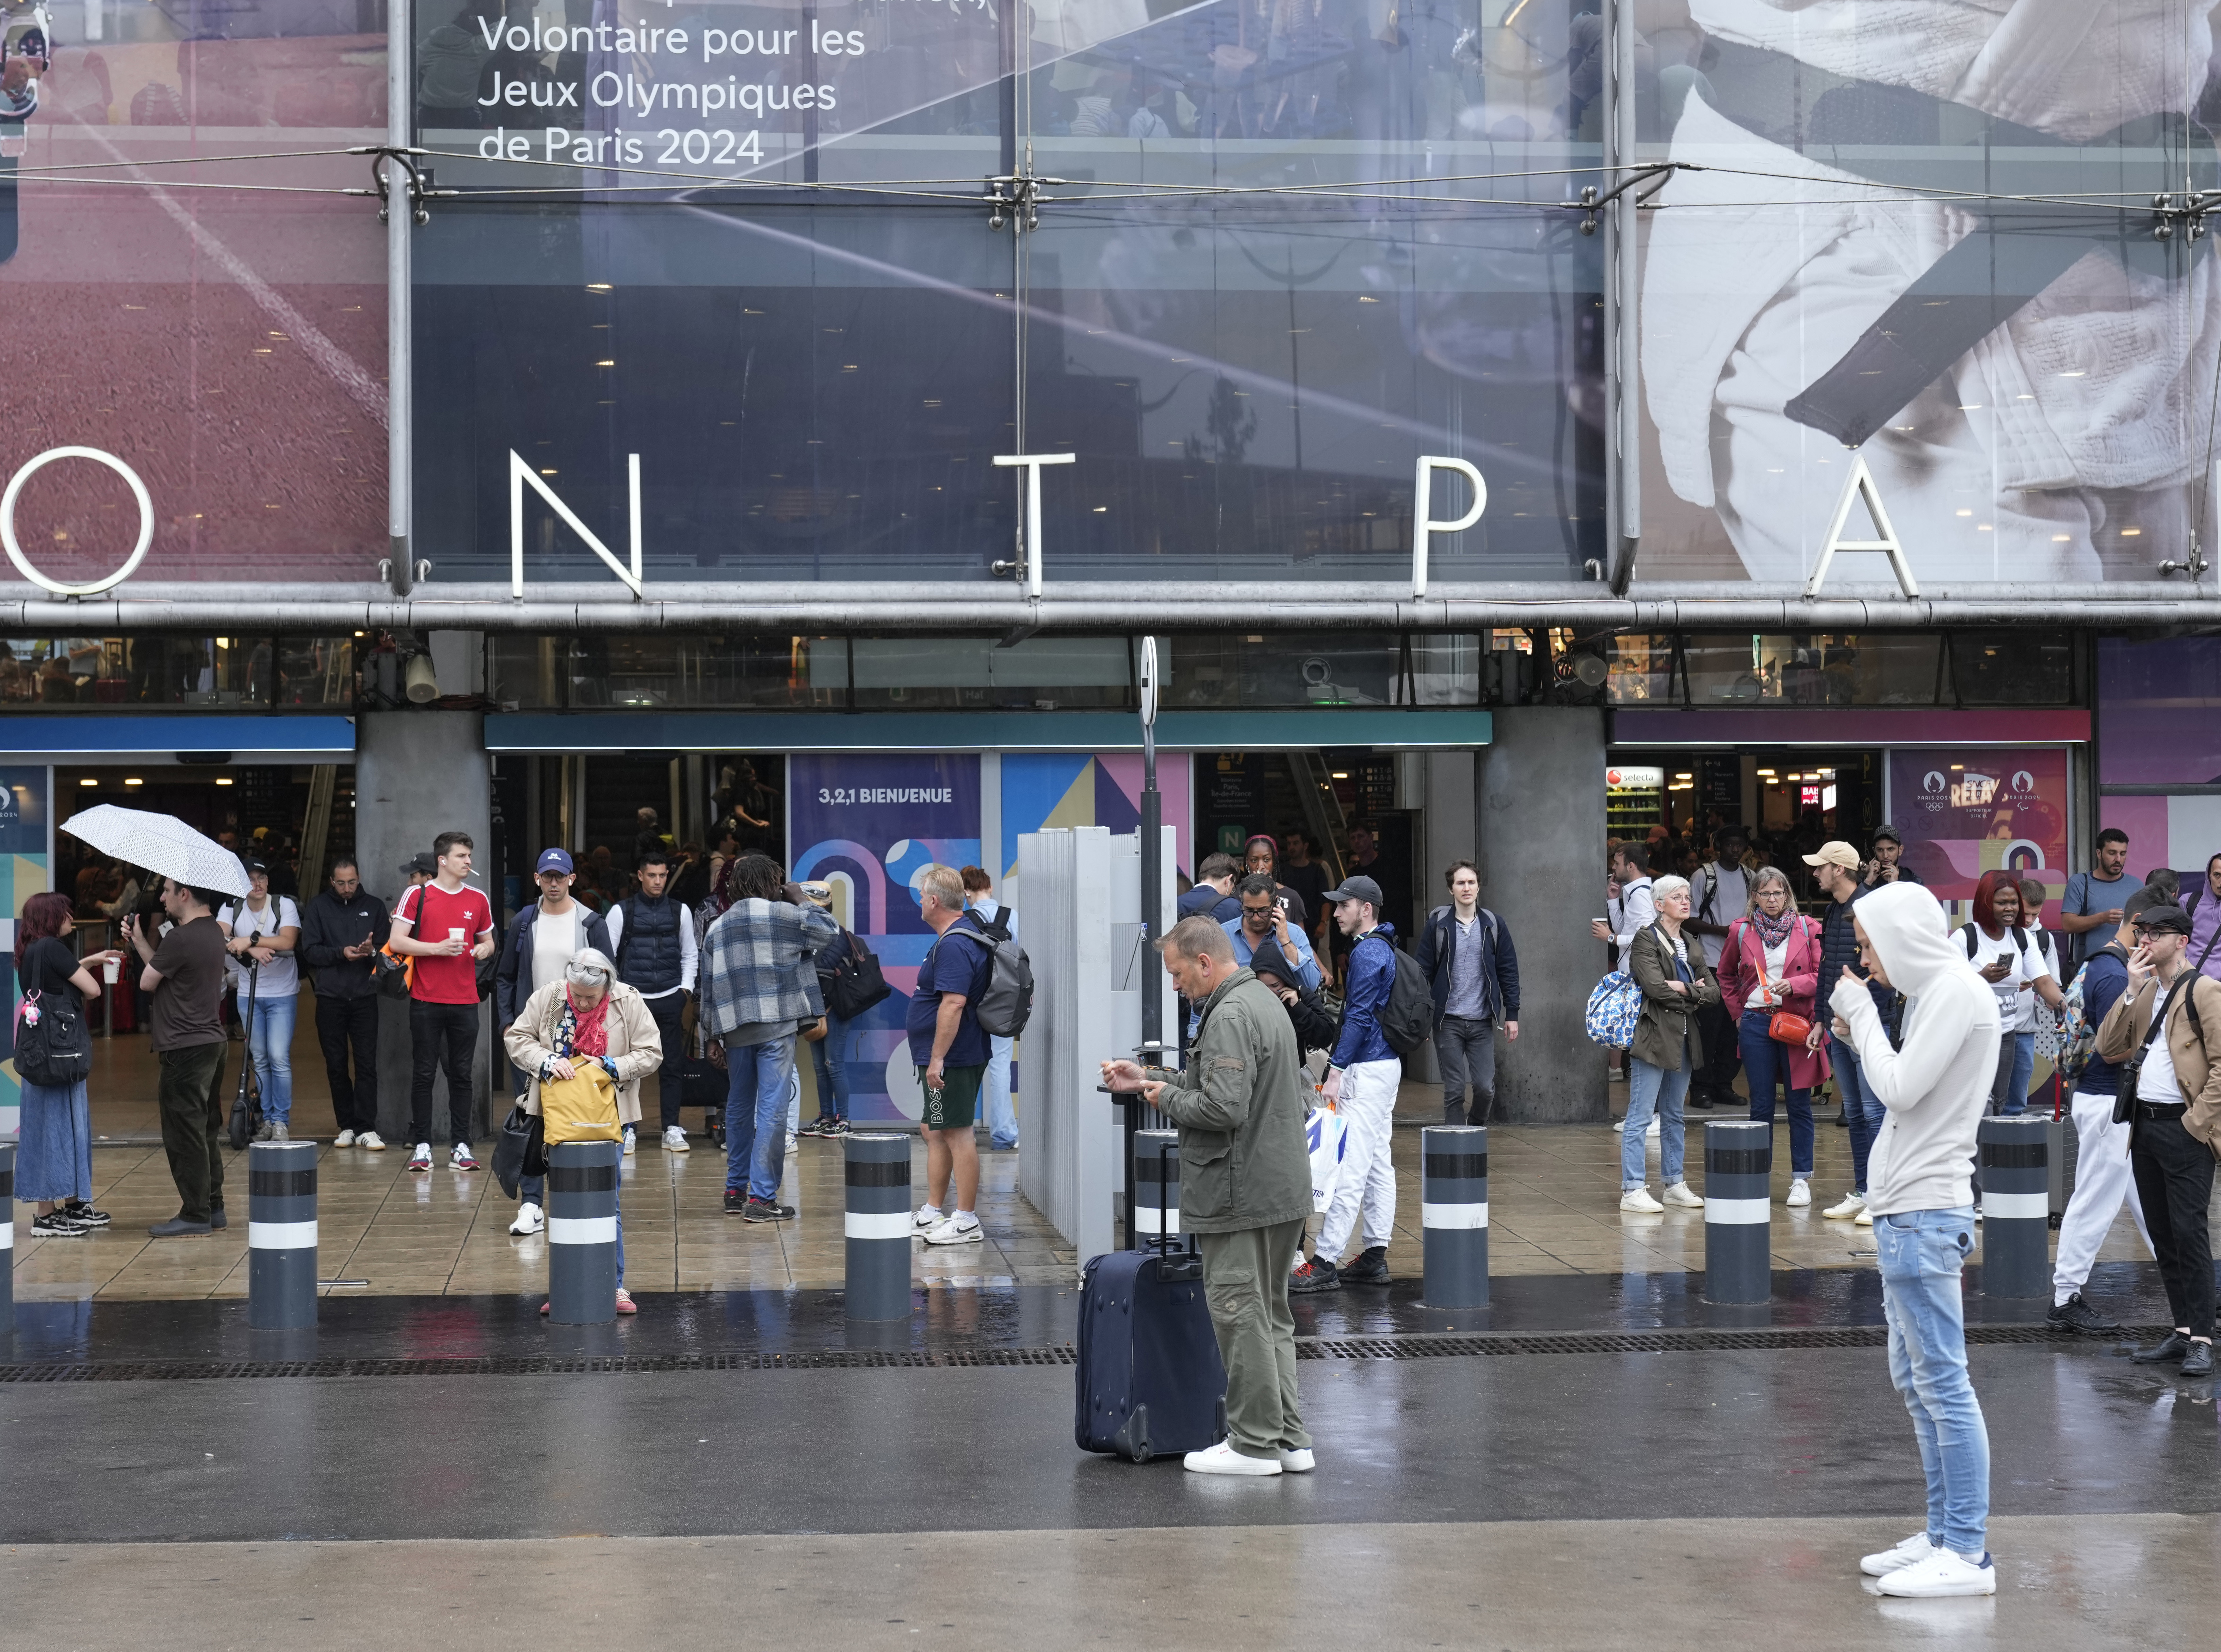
590 1032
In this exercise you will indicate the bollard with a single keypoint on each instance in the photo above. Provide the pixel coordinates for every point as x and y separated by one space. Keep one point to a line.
8 1238
1156 1189
1738 1210
1454 1215
876 1170
2016 1207
281 1235
582 1233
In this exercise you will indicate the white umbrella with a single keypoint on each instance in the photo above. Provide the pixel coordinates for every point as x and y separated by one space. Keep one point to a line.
163 844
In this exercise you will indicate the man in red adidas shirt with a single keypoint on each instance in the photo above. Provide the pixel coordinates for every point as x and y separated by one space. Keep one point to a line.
447 927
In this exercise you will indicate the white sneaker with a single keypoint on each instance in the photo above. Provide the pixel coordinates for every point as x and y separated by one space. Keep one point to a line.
1297 1463
1915 1548
1800 1192
924 1217
1223 1459
422 1158
631 1142
528 1220
959 1229
1942 1573
371 1141
1639 1202
1620 1129
1679 1194
1851 1206
281 1133
1865 1217
344 1139
674 1141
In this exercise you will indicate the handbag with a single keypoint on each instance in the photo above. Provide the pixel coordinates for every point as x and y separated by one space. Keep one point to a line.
1326 1133
2125 1097
519 1150
1787 1027
53 1046
581 1108
1614 1007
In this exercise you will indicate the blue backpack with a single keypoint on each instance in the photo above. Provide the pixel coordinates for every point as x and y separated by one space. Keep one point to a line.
1614 1008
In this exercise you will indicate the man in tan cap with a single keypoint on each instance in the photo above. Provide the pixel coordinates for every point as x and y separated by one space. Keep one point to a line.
1835 868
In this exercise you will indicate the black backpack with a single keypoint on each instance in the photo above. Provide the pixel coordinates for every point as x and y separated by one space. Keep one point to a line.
1407 1020
854 983
53 1047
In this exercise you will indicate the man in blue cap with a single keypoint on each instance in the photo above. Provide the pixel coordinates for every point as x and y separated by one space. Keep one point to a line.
542 938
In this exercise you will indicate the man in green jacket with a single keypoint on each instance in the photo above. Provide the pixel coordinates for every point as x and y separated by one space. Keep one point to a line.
1245 1188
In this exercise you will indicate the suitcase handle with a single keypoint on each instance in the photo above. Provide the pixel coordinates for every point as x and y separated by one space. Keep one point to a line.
1161 1241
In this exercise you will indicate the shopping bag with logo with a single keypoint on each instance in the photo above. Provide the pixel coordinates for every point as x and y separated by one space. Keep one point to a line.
1613 1010
1326 1133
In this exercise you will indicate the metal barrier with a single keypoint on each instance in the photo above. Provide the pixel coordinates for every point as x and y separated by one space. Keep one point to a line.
1738 1210
582 1233
8 1238
2015 1161
876 1168
281 1234
1454 1214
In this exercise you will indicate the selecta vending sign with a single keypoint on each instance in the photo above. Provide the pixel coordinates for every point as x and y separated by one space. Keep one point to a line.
1966 812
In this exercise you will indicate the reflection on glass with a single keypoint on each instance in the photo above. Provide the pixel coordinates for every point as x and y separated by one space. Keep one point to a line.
158 671
1642 670
2013 668
1812 669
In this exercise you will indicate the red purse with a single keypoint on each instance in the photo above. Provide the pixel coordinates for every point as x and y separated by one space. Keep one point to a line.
1787 1028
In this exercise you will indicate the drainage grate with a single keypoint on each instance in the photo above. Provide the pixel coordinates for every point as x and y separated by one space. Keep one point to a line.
1427 1345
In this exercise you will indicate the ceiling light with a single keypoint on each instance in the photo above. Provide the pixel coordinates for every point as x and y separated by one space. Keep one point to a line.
89 780
221 780
134 781
1342 775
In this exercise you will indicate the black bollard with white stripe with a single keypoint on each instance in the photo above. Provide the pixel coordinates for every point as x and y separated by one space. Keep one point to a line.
7 1238
2015 1163
876 1168
582 1233
1454 1215
1738 1210
281 1235
1156 1190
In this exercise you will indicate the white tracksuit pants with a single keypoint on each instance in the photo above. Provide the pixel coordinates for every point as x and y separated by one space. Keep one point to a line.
2101 1182
1368 1174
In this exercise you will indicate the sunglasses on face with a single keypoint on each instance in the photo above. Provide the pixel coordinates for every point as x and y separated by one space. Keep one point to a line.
1257 911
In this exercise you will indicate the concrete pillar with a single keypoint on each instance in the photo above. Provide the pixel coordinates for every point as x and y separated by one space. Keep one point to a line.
417 774
1539 803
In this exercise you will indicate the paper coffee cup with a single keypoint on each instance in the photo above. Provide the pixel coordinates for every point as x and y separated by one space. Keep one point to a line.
110 970
455 935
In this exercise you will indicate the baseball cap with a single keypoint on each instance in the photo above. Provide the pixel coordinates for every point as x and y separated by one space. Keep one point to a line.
555 861
1835 854
1890 832
2168 919
426 863
1358 888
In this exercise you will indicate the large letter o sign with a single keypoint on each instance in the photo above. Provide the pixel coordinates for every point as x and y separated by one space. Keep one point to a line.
16 551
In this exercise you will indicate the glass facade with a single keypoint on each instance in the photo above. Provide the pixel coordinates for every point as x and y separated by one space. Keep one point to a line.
183 672
1816 669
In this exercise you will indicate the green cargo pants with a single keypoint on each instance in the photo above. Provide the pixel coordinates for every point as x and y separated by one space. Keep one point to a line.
190 1101
1245 1279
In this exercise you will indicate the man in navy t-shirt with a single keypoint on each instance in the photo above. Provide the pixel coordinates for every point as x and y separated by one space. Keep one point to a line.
951 1051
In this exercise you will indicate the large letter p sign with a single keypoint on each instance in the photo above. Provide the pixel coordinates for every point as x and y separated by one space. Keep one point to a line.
1422 523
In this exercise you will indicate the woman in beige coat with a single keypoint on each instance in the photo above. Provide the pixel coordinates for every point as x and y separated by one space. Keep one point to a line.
588 1016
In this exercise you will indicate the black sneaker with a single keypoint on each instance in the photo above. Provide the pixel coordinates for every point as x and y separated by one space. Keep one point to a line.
218 1219
83 1214
836 1127
1318 1274
57 1224
814 1127
735 1201
2079 1317
763 1210
1370 1268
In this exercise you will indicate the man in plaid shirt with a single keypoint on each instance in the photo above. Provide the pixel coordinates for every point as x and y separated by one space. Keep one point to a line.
758 985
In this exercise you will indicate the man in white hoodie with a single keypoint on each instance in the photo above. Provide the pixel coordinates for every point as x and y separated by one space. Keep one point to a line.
1933 1089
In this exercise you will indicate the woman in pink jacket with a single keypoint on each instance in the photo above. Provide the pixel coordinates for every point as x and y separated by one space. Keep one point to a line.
1771 962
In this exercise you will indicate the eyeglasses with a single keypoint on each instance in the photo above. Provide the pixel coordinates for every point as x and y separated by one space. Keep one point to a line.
1256 911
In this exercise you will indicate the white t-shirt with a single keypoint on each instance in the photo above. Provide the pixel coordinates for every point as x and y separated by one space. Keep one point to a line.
1777 961
1729 902
2015 1009
281 977
555 941
2155 1080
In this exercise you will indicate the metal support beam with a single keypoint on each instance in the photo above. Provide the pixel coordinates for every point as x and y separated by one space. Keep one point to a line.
1622 377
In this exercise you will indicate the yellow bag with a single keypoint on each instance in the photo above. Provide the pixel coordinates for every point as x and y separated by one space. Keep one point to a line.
583 1108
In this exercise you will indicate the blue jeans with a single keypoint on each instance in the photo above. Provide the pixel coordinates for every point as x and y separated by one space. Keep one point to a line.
995 1093
1921 1253
1766 1065
1862 1109
1652 1089
832 1077
758 1080
2016 1066
271 1040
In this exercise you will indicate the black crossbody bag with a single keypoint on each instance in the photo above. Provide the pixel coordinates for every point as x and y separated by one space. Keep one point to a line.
2125 1099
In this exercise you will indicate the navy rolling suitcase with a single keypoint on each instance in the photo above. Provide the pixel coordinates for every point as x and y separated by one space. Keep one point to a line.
1150 1383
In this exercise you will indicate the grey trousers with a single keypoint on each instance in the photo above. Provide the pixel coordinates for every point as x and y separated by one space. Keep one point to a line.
1466 1051
1245 1280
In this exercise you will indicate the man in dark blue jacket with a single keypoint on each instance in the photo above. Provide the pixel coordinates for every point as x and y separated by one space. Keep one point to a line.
1361 1080
2102 1178
1470 963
